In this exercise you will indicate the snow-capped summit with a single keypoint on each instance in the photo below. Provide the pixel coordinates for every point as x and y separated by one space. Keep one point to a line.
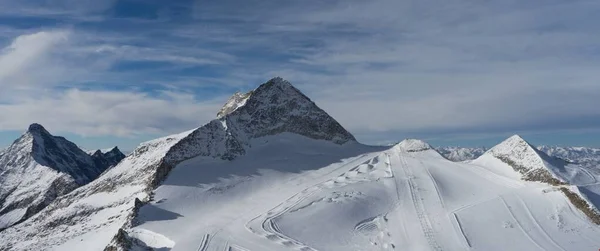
527 160
413 145
36 169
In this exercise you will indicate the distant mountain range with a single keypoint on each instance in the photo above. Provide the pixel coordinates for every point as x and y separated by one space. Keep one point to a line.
582 155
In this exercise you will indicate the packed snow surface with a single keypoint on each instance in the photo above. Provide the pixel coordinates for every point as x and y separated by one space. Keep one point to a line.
293 193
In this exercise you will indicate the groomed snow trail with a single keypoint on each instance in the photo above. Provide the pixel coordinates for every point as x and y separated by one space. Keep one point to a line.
417 201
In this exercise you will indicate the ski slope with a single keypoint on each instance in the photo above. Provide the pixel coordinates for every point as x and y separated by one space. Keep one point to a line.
294 193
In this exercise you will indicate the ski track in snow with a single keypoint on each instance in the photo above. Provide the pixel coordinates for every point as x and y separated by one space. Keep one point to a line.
270 229
514 218
537 224
419 207
204 243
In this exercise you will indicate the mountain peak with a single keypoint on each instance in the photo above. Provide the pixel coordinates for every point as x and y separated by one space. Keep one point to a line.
413 145
280 86
114 150
511 145
527 160
278 82
36 128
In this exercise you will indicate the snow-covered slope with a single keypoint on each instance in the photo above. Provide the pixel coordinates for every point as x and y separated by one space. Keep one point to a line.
461 153
295 193
36 169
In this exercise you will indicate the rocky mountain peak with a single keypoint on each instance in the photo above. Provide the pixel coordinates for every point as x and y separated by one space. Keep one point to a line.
36 128
38 168
276 107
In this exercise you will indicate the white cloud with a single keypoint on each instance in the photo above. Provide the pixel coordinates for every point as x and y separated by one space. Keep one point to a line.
23 63
98 113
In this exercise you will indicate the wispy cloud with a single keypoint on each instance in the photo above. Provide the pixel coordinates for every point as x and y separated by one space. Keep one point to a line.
429 67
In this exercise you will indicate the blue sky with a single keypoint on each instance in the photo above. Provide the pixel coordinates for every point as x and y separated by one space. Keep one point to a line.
453 72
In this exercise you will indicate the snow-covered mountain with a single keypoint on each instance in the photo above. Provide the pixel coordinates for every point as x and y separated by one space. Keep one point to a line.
583 155
273 108
527 160
36 169
461 153
275 172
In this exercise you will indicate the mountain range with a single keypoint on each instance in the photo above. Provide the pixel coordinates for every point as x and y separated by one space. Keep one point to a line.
273 171
583 155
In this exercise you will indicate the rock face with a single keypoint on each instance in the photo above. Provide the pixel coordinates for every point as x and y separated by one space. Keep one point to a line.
236 101
274 107
107 159
36 169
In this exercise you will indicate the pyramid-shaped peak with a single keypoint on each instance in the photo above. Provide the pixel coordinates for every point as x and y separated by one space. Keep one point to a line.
278 81
516 139
413 145
512 144
272 93
527 160
279 86
36 128
278 107
97 153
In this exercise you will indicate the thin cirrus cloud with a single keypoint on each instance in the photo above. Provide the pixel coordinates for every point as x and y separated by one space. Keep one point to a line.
429 68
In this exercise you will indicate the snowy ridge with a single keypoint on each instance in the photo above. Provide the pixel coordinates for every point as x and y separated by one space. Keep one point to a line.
36 169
